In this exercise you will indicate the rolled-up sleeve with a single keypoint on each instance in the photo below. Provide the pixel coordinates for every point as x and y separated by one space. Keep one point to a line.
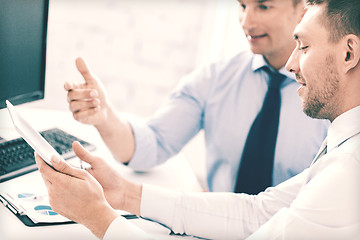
145 145
173 125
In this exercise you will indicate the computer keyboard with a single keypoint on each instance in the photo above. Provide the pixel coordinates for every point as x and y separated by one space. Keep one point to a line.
17 157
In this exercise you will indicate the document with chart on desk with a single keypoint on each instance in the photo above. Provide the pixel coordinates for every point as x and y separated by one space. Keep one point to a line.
32 208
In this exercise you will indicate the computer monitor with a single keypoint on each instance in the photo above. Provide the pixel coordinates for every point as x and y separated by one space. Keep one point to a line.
23 30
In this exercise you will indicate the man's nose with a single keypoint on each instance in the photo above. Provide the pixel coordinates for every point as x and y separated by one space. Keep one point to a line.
292 64
247 18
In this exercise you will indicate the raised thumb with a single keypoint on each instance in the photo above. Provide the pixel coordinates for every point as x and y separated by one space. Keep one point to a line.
83 68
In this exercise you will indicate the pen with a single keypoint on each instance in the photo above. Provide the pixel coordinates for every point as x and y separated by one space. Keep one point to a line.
81 164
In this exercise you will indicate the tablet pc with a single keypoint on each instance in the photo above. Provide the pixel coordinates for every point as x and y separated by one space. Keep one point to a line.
31 136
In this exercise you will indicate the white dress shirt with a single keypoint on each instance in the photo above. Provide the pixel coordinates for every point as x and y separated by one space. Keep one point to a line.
322 202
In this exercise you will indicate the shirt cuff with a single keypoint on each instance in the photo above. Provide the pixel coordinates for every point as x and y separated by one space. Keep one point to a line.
159 204
121 228
145 145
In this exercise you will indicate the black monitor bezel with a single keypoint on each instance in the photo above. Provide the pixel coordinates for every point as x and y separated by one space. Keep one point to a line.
39 94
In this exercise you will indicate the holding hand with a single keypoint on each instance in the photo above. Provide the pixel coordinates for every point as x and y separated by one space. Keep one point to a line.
75 194
85 196
115 187
87 101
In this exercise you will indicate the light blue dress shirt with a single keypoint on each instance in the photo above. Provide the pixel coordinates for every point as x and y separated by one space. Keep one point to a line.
223 99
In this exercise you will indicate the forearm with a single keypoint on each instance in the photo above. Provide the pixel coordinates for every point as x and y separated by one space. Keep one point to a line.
118 136
216 215
123 195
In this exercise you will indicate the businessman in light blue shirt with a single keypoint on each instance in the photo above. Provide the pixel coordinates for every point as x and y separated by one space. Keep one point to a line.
223 99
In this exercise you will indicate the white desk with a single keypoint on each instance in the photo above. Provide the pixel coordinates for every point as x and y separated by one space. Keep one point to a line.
175 174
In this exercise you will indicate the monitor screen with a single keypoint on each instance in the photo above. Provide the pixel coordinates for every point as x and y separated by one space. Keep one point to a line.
23 28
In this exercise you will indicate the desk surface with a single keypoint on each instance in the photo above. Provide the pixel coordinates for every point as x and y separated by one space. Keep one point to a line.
175 173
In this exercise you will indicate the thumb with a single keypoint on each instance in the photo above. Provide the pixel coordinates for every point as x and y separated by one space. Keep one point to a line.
83 68
61 166
83 153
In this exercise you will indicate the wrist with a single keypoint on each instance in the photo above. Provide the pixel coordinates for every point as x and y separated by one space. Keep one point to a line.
109 116
132 198
118 135
100 220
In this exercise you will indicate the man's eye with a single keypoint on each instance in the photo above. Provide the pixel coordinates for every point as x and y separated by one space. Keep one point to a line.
263 7
303 49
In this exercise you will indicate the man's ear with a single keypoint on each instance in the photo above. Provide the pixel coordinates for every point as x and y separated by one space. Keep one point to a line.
351 52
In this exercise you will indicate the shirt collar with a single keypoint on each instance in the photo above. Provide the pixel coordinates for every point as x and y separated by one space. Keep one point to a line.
259 62
343 127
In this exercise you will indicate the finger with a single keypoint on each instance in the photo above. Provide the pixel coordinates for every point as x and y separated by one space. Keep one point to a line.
90 170
76 106
85 71
81 94
48 184
63 167
68 86
83 153
44 169
84 116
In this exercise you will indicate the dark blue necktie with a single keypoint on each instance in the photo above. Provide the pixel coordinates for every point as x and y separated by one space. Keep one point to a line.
256 166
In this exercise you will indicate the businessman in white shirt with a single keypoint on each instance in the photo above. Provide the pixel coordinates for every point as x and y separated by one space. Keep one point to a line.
322 202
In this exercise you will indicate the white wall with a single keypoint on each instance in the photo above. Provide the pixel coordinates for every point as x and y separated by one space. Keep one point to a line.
139 48
227 37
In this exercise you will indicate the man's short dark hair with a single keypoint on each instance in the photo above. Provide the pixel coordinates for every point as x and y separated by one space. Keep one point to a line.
342 17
